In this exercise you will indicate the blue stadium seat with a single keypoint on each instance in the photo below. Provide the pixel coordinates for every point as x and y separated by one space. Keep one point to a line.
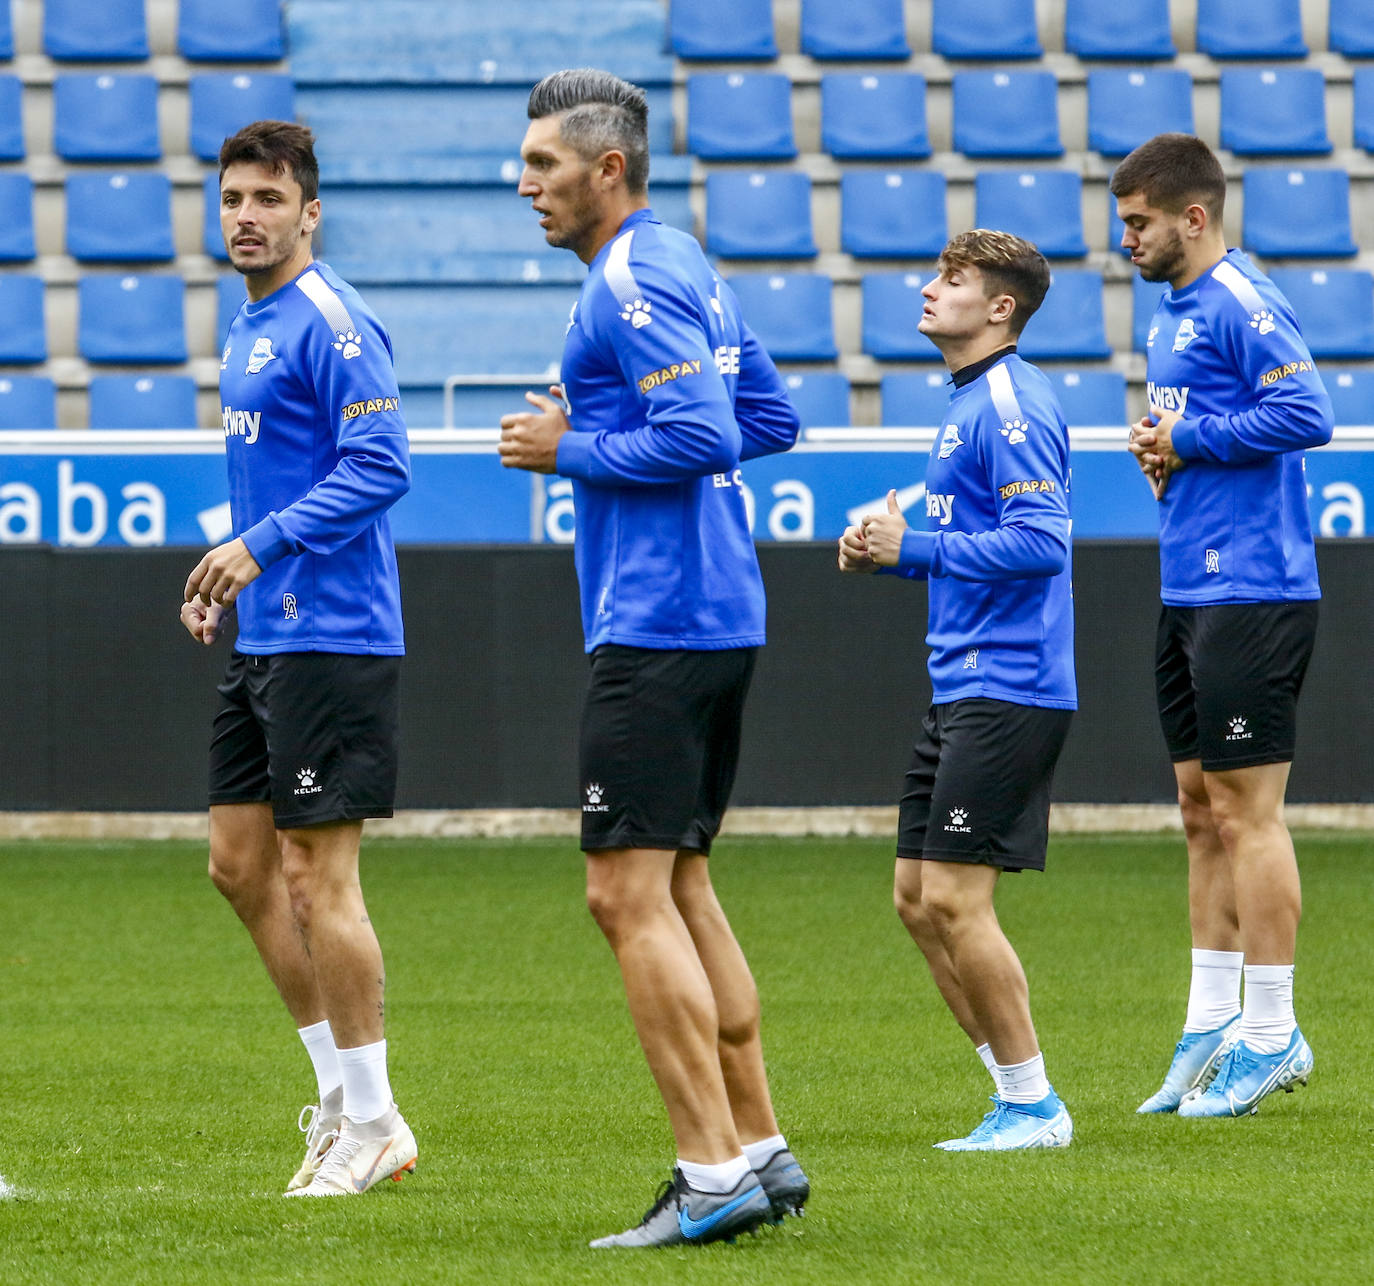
143 402
888 214
1352 395
1363 83
1334 306
892 305
790 313
82 30
984 29
1141 31
1351 30
105 117
119 216
23 328
11 118
1069 325
244 31
1250 28
1090 398
212 239
16 217
131 318
1145 296
230 292
6 33
736 116
914 397
871 115
1044 206
1274 110
759 214
1127 107
1006 113
821 397
854 29
222 103
726 29
27 402
1297 212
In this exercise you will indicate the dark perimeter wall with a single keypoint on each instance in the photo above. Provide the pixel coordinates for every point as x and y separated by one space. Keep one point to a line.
107 702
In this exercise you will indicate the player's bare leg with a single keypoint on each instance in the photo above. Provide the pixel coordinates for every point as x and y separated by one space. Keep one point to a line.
1211 894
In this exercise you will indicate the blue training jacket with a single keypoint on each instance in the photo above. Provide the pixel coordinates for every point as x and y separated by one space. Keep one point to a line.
1226 353
318 453
667 390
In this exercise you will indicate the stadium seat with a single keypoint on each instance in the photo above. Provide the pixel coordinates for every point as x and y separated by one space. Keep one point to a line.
119 216
27 402
984 29
1090 398
23 327
1250 28
1352 395
16 217
230 292
1334 307
11 118
1093 29
1006 113
726 29
892 305
1297 212
790 313
1363 92
105 118
914 398
143 402
737 116
759 215
854 29
131 318
889 214
1069 325
821 397
1044 206
81 30
1274 111
222 103
6 33
212 239
868 115
1127 107
1351 30
1145 297
244 31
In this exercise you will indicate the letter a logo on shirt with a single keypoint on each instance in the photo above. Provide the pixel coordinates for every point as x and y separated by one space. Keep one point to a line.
262 354
950 441
1186 333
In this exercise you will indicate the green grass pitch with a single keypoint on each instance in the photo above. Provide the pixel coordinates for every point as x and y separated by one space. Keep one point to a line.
151 1080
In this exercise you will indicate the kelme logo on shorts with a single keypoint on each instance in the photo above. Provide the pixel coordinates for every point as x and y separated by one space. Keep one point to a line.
306 777
958 822
594 804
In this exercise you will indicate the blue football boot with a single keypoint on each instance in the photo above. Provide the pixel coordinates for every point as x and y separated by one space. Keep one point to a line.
1196 1059
1246 1076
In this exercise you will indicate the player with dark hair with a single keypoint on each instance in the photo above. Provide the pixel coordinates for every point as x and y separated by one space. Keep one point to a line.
664 391
995 553
304 744
1234 400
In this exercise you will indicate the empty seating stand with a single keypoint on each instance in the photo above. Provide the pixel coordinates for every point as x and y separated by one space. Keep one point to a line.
241 31
893 213
1140 32
1274 110
142 402
16 217
854 29
105 117
222 103
722 29
984 29
87 31
11 118
1044 206
759 214
23 330
791 314
119 216
874 115
1250 28
740 116
1334 307
914 398
131 318
1006 113
892 305
1299 212
821 397
1090 398
1126 107
27 402
1069 325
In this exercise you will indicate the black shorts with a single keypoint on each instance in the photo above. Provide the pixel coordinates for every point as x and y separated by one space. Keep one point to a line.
1227 678
313 733
978 789
659 745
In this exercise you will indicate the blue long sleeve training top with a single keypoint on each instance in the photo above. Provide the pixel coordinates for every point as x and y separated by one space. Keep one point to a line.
667 390
996 542
1226 353
317 453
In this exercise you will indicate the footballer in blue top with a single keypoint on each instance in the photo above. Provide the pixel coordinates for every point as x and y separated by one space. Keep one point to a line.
1235 398
664 391
994 550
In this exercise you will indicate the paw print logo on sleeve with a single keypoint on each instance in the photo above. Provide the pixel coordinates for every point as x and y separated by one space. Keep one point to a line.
348 343
1262 321
637 313
1014 430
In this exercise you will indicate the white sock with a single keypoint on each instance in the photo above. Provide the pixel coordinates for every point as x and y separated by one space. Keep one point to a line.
1267 1022
1021 1082
367 1092
319 1044
984 1051
761 1153
715 1178
1214 995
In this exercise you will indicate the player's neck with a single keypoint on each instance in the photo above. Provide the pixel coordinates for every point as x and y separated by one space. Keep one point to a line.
610 223
260 285
959 353
1206 257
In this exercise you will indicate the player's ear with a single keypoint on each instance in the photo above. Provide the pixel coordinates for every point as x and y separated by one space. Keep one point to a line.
1003 306
310 216
1196 219
612 168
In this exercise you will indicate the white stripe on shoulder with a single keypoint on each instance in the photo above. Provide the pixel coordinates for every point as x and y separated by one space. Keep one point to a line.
1003 395
617 270
1240 286
321 294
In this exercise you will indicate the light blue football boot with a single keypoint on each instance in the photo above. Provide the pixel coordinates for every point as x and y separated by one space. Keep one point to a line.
1012 1126
1196 1059
1246 1076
